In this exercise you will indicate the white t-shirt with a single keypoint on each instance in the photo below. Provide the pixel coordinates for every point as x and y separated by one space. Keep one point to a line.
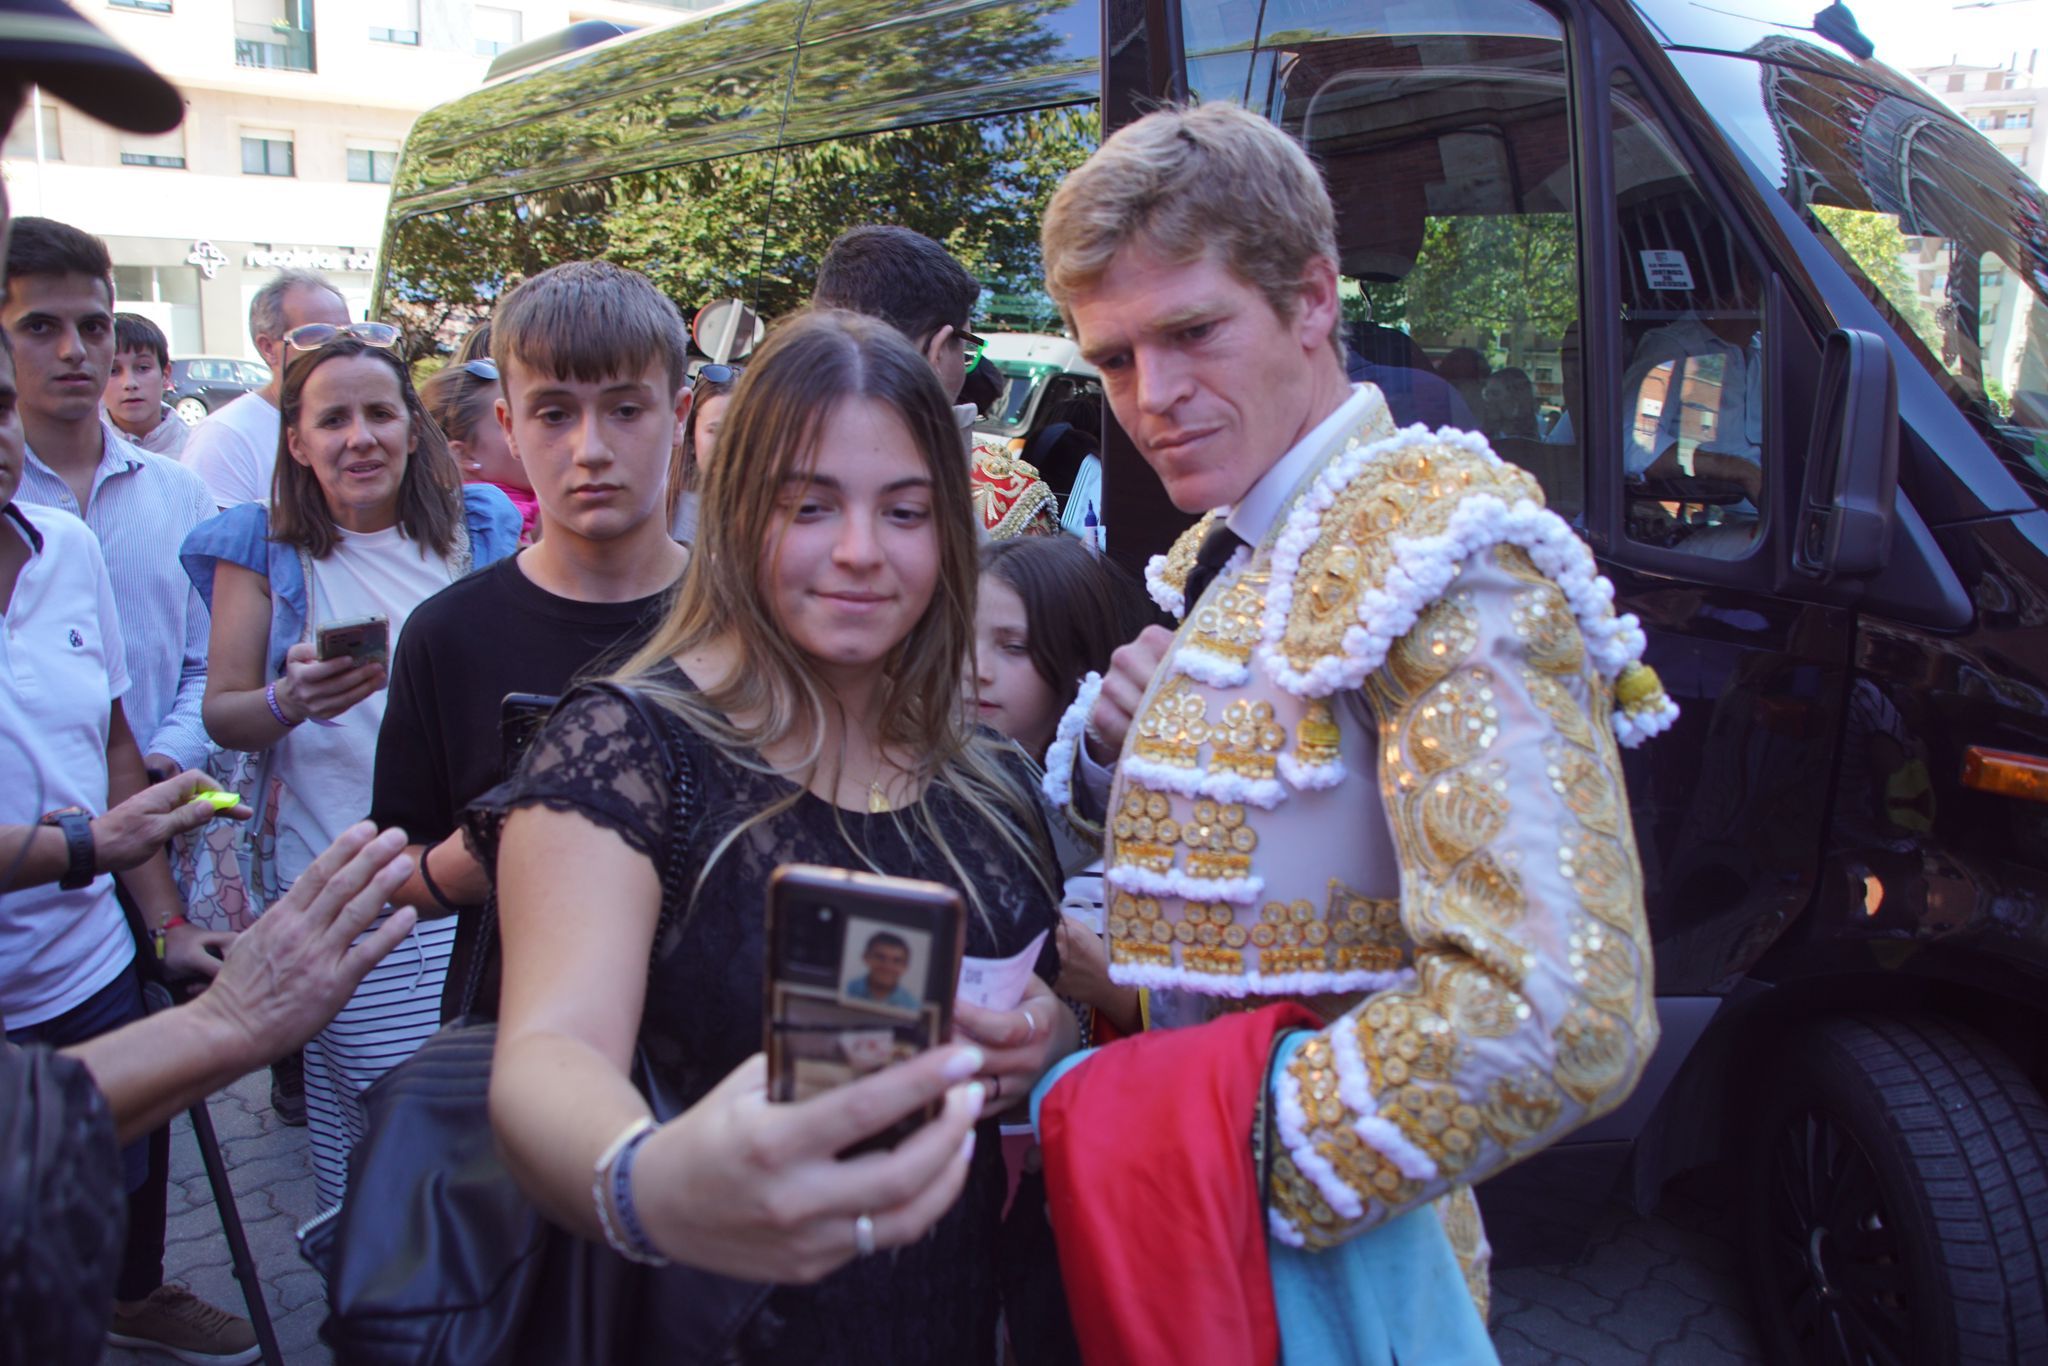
235 451
326 770
60 651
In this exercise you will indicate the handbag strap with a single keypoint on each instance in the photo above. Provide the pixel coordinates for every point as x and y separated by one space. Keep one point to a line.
684 810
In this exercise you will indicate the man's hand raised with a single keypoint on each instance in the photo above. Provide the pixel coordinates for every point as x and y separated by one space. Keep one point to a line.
131 833
1123 687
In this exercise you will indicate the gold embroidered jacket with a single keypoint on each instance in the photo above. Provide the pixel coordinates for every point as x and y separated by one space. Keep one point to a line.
1381 759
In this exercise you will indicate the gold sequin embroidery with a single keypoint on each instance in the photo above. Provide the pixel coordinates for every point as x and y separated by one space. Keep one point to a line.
1228 623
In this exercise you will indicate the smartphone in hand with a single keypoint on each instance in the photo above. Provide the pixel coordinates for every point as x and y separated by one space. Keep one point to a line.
366 640
861 971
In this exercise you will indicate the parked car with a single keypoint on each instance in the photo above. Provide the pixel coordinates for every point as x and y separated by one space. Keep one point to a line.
1789 316
200 384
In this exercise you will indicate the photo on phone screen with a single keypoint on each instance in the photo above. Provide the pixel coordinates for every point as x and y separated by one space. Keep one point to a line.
860 974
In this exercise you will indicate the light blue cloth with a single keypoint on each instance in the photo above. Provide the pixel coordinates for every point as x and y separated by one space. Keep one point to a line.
1391 1295
241 535
1085 497
140 507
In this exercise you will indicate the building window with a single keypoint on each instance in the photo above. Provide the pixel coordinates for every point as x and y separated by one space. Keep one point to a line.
21 139
1994 80
2020 118
267 154
1955 83
152 6
276 35
395 21
495 29
371 165
164 149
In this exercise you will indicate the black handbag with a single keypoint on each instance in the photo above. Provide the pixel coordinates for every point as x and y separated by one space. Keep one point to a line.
437 1258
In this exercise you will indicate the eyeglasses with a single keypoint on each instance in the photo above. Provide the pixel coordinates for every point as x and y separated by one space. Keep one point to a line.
975 346
717 374
313 336
486 370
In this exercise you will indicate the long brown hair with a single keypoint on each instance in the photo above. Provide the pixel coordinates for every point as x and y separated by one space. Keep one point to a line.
1079 606
808 367
429 493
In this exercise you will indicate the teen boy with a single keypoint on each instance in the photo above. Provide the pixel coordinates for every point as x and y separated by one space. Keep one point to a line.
592 360
135 391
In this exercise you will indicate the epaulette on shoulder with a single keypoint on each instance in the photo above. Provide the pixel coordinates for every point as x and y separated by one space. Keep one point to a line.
1379 534
1166 576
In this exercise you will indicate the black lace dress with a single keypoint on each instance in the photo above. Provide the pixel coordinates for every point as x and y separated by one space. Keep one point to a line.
935 1301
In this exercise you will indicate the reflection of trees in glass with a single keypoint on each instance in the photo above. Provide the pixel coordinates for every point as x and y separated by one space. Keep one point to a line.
1515 274
1874 242
756 225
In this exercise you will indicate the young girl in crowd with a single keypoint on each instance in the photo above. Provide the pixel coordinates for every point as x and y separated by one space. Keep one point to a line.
808 675
1050 612
462 398
710 392
368 517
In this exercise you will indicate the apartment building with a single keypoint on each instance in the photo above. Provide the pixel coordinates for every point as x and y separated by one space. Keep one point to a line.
2004 102
295 114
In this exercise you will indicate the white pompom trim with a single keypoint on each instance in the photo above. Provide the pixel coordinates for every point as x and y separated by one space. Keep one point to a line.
1264 793
1167 976
1206 666
1422 568
1312 777
1354 1085
1283 1230
1631 728
1292 1125
1168 598
1173 882
1065 749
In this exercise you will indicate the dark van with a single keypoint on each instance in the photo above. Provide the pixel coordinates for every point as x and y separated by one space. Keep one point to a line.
1765 319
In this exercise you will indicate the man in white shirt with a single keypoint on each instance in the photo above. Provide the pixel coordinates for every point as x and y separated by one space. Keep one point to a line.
59 316
235 449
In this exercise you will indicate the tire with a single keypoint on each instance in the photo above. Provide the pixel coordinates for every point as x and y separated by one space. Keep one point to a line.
192 410
1895 1199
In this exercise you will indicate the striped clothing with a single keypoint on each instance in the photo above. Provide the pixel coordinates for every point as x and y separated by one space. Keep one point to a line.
151 501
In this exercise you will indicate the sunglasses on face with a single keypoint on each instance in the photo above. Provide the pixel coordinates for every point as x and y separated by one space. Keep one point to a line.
717 374
486 370
313 336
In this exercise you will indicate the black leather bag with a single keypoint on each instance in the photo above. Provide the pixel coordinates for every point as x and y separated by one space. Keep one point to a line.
437 1258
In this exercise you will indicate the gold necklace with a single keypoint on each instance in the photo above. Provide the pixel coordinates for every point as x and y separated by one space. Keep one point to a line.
878 801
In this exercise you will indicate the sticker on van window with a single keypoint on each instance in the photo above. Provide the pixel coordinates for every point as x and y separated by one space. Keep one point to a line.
1666 270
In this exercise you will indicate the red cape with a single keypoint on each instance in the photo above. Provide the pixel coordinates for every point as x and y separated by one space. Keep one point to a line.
1155 1203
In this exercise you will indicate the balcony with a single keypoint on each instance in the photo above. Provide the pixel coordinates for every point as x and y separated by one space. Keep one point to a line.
275 47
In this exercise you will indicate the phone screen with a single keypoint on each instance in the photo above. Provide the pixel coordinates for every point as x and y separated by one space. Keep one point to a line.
861 974
366 641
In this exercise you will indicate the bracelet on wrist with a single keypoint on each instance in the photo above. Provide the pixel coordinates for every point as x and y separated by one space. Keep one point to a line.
434 888
270 696
611 1190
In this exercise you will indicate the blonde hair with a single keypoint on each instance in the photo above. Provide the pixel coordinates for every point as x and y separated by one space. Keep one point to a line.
1187 181
808 367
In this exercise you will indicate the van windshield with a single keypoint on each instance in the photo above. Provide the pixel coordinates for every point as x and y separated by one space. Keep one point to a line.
1945 236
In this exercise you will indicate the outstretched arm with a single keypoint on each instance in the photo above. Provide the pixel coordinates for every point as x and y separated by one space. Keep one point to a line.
1531 1010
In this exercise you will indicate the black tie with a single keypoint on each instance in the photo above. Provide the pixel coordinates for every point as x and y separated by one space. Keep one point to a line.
1217 548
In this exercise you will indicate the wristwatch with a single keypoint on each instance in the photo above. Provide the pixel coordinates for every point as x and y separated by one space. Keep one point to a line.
82 867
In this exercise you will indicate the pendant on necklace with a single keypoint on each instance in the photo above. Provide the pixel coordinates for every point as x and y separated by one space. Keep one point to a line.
877 802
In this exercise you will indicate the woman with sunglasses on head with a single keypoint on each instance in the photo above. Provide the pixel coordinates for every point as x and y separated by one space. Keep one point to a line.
368 517
710 393
808 675
462 398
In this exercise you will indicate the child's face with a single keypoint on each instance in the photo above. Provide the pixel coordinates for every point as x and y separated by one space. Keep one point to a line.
135 390
1011 695
487 456
595 452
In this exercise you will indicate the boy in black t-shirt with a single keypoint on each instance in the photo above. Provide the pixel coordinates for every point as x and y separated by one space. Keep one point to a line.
591 357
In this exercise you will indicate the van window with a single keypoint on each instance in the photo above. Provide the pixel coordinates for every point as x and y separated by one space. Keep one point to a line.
1446 142
1947 238
755 226
1691 350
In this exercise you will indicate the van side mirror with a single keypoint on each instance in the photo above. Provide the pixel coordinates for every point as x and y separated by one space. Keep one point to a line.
1851 489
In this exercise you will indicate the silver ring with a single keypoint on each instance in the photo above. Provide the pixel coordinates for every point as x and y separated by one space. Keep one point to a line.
864 1236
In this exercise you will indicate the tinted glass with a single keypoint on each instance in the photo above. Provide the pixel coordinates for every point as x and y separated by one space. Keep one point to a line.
1945 236
1692 415
1445 138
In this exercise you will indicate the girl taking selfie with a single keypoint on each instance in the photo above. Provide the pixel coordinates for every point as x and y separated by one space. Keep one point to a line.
808 676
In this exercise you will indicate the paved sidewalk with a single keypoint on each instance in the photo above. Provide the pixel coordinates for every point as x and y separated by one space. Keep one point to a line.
1663 1289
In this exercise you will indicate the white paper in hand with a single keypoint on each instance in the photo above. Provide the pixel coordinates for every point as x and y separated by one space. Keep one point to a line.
998 983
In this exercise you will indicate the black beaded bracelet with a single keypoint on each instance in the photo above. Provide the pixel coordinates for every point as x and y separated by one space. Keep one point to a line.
434 888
